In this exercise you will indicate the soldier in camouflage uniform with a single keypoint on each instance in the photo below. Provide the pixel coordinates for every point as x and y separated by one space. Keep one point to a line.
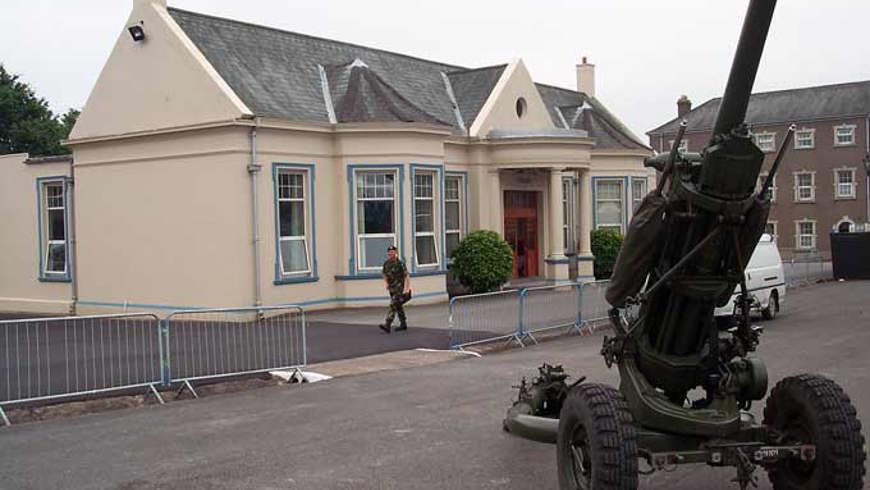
397 283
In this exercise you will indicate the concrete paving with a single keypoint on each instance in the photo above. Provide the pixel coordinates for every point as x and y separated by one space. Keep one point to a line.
428 427
433 315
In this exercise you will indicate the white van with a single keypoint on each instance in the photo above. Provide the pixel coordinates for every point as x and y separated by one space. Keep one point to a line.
765 282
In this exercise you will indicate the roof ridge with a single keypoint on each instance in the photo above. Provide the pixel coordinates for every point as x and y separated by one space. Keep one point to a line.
309 36
469 70
561 88
811 87
671 121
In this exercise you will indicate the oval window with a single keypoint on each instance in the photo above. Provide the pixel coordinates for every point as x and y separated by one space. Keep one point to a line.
521 107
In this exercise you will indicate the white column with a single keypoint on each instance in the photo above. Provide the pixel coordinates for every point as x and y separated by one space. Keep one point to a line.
584 254
557 250
495 205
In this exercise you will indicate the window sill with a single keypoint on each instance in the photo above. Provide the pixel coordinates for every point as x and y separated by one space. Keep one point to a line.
424 273
295 280
805 148
844 145
806 201
55 279
360 277
845 198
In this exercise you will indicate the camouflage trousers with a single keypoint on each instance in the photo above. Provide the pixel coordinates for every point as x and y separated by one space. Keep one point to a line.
396 308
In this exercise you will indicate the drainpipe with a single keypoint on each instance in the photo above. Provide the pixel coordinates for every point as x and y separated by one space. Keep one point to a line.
72 240
254 171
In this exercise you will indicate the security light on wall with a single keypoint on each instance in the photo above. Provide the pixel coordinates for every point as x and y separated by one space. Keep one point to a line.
137 33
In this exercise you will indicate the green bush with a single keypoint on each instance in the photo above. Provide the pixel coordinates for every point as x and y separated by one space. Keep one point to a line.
482 261
605 248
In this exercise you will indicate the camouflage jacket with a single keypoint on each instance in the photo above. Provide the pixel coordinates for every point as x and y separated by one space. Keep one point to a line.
394 271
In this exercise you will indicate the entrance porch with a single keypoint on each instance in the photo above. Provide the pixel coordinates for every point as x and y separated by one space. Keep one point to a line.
546 218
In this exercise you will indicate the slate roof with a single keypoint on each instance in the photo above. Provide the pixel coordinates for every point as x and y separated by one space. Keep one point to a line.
576 110
472 88
283 74
785 106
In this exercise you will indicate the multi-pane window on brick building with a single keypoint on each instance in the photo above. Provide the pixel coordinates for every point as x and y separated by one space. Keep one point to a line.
805 235
805 139
771 192
770 229
804 186
766 141
844 135
844 182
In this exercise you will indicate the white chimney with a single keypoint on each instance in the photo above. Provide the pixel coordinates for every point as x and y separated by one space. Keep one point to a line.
586 78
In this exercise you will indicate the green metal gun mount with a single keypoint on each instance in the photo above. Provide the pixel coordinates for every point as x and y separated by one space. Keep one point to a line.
685 385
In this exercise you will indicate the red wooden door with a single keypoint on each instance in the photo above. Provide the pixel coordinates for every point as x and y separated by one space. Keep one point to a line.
521 230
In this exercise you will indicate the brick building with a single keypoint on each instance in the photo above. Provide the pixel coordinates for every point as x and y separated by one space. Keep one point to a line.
822 185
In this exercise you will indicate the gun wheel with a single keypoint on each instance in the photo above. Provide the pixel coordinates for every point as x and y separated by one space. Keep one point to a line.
813 409
597 442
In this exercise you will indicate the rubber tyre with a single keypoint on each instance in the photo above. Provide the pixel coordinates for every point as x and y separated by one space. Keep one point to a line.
813 409
772 309
595 422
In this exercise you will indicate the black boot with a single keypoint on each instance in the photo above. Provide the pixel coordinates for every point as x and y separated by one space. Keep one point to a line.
386 328
402 326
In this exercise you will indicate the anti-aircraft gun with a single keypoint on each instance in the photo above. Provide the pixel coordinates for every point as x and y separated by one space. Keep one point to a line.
685 252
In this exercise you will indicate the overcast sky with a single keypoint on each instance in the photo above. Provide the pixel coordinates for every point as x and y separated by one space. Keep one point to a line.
646 52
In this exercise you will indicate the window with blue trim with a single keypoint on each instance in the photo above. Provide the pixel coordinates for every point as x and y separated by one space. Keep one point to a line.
376 216
638 192
454 211
609 203
292 215
425 244
53 246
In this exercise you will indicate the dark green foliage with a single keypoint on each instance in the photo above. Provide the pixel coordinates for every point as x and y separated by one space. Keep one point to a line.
605 248
483 261
27 125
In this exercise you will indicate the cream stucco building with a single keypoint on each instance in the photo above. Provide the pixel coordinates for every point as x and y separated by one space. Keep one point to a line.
218 163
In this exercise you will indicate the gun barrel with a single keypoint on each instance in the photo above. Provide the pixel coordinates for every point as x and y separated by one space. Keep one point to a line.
732 110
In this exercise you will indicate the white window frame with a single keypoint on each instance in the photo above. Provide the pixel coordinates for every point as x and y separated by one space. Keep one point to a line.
853 185
798 187
798 145
775 233
766 141
360 236
798 244
636 199
598 223
433 233
851 133
305 238
761 178
460 204
684 145
47 242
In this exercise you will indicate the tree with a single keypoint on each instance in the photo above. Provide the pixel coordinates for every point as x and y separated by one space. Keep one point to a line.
27 125
605 247
482 261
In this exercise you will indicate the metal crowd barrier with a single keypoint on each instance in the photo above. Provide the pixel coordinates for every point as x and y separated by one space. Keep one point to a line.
594 307
804 273
225 342
51 358
478 318
550 307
